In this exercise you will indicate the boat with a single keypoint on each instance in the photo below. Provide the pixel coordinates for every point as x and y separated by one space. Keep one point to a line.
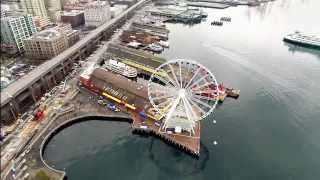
303 39
134 44
216 23
121 68
228 19
164 44
235 93
155 48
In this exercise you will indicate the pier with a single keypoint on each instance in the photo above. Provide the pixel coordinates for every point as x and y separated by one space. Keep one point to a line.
152 29
137 56
84 107
189 144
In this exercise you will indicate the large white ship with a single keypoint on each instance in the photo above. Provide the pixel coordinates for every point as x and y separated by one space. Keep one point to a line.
120 68
303 39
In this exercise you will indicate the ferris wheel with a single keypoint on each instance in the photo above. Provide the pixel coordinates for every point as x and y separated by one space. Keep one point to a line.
183 92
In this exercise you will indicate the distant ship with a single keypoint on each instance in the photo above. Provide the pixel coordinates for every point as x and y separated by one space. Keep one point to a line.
302 39
120 68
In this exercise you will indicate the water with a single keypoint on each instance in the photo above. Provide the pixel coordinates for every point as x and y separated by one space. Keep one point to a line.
270 132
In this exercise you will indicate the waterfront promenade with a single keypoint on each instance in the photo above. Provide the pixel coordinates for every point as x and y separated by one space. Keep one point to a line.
76 108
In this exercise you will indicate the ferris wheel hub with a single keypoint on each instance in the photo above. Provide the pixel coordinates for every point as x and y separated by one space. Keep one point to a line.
182 92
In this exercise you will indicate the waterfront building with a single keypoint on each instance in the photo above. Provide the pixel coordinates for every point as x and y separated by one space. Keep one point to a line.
45 44
14 29
115 87
97 13
75 17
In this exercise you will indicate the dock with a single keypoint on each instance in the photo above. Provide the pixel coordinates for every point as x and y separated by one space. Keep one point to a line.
209 5
183 15
185 142
152 29
137 56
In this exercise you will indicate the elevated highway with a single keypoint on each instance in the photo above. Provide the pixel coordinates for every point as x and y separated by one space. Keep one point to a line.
26 91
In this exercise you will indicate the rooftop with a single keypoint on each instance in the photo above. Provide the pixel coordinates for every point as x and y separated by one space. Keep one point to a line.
46 35
71 13
97 3
120 82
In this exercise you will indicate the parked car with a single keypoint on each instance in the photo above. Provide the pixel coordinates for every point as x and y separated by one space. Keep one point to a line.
113 107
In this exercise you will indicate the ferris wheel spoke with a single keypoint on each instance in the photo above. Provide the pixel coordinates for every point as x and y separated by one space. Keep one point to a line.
203 85
166 103
187 74
194 75
205 97
162 97
198 81
198 107
201 102
158 89
174 75
171 110
161 88
164 81
180 74
212 92
171 80
190 109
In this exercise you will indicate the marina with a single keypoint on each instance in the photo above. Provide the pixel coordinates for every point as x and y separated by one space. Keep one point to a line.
303 39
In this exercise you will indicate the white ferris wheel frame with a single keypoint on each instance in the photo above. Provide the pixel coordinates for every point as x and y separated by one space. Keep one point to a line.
175 82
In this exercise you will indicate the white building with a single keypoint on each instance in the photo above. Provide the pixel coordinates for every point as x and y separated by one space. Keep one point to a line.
97 13
14 29
37 9
53 6
34 7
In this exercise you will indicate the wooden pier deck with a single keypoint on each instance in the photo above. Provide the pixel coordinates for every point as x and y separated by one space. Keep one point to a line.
187 143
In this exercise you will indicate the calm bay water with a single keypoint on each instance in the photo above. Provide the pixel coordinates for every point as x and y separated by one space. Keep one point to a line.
271 132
